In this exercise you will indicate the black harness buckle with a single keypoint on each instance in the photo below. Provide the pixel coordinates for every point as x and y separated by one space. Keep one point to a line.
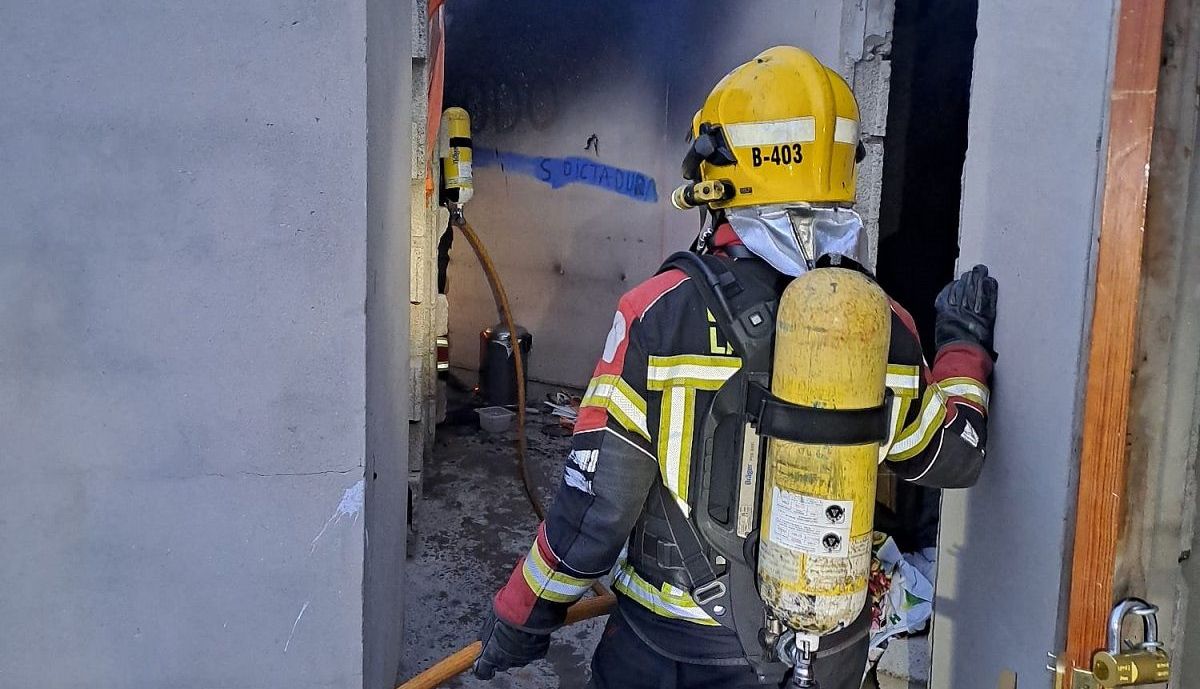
709 592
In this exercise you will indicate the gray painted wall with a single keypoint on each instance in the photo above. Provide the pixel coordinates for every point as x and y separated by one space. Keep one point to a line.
182 337
389 167
542 83
1030 212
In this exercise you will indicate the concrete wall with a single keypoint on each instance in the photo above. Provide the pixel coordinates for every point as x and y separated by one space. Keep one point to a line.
1189 670
182 272
1030 212
389 98
542 84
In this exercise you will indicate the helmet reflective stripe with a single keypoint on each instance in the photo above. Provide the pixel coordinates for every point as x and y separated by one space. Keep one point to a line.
846 131
796 130
667 602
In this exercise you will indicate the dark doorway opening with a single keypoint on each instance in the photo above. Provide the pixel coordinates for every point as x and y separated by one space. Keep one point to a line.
932 57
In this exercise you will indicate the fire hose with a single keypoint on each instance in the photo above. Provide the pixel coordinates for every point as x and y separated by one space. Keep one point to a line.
460 661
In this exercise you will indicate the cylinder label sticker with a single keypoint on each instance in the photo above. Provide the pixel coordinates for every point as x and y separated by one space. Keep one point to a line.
809 524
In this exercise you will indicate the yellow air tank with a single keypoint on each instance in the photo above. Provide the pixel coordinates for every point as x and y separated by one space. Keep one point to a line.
831 347
455 135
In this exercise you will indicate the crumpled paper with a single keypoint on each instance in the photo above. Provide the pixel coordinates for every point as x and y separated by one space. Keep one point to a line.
901 592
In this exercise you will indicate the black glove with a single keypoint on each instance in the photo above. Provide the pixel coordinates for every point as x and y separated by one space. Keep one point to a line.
506 647
966 310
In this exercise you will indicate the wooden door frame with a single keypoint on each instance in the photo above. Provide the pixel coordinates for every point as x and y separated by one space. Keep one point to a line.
1104 454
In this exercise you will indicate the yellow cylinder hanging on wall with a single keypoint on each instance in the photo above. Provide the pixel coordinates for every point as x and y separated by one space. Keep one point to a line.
455 143
831 346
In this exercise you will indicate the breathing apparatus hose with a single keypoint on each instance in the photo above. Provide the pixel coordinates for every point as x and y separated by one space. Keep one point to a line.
460 661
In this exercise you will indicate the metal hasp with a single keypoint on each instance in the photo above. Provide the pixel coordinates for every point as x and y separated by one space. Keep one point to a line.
1080 679
1135 665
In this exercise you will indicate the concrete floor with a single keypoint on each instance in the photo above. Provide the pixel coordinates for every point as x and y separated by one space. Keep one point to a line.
473 524
905 664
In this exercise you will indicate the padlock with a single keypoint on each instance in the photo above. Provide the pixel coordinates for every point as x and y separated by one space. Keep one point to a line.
1146 663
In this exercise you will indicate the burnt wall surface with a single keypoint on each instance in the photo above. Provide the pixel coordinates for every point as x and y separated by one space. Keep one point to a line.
581 111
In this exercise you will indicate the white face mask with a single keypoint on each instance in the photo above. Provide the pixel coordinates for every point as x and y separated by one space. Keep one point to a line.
793 238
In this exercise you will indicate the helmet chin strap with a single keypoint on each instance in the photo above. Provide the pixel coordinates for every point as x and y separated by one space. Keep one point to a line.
707 230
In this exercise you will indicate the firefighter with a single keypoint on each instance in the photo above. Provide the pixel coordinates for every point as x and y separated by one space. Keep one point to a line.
772 161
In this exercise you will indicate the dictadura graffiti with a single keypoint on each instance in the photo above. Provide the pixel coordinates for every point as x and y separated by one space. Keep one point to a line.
559 172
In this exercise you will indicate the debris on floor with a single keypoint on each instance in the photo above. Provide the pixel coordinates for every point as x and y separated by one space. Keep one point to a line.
563 406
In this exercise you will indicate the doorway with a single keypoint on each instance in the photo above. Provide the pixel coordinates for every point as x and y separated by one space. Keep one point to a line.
918 230
617 90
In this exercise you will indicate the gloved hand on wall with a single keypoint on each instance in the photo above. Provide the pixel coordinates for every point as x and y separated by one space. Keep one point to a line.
506 647
966 310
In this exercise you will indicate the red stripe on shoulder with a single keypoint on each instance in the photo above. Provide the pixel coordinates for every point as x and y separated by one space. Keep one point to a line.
591 419
638 300
632 307
905 318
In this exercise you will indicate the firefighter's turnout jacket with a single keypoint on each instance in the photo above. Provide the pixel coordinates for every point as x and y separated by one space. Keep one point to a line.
662 363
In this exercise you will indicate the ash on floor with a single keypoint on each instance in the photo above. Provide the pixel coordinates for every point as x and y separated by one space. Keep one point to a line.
472 524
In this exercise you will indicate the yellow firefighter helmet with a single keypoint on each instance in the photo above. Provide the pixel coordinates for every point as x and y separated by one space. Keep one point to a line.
780 129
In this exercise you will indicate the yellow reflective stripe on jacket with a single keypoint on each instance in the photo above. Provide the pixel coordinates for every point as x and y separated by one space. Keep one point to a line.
966 388
667 601
695 370
613 394
905 381
714 344
549 584
678 378
897 414
675 431
916 436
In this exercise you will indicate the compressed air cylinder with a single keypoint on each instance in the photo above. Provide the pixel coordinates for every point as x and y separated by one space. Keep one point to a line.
831 347
455 136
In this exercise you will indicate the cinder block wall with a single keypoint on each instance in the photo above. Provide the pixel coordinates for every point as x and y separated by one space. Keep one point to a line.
183 344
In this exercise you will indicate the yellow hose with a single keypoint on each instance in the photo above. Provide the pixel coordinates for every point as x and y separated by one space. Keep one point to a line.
493 277
461 660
